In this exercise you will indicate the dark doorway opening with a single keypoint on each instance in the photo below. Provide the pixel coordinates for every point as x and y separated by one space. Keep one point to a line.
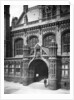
40 69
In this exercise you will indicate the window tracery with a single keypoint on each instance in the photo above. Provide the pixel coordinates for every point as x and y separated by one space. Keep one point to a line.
32 41
19 47
66 42
48 39
49 12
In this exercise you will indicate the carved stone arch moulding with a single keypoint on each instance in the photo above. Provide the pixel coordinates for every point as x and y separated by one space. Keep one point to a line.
48 33
32 32
13 42
64 27
19 34
29 36
65 31
48 30
43 59
18 37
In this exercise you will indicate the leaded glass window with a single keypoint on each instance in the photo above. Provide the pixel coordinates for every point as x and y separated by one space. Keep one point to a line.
65 70
32 41
48 39
64 10
66 42
48 11
11 69
19 47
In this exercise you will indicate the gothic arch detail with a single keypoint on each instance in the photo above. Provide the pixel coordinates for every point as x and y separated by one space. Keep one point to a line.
18 46
32 40
48 38
65 41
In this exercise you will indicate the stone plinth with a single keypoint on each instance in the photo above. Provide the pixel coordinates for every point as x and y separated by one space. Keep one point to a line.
52 84
65 83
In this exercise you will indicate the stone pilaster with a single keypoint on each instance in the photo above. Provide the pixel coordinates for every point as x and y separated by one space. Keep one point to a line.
58 12
58 33
30 76
25 41
40 14
25 64
25 71
52 77
58 41
40 39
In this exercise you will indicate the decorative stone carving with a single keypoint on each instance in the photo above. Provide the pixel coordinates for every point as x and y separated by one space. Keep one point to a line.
49 29
33 32
64 27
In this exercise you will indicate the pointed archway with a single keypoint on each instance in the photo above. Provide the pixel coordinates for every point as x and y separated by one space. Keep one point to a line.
40 69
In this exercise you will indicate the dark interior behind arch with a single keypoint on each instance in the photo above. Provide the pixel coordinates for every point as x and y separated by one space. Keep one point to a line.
40 69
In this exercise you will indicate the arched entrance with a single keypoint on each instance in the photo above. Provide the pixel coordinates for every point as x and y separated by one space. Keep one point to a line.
40 69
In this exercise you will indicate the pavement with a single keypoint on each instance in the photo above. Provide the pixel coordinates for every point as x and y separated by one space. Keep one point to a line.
34 88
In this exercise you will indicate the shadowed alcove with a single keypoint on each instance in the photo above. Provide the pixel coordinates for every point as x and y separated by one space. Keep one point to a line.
40 69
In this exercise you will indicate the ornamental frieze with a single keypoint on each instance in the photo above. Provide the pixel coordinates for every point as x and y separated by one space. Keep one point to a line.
19 34
17 31
32 32
48 29
16 37
64 27
12 61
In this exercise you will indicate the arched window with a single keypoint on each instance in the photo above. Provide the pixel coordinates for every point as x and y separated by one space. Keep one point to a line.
47 39
18 46
66 41
48 11
64 10
32 41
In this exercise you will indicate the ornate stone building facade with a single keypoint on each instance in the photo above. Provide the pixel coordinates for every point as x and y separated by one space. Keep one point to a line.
40 46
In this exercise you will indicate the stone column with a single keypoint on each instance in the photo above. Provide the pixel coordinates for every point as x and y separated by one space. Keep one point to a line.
58 41
58 33
52 77
25 64
13 47
25 71
28 74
